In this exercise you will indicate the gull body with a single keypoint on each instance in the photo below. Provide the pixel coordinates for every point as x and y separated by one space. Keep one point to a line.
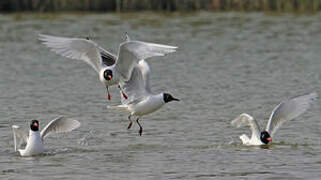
34 141
34 145
256 134
148 105
141 101
111 68
285 111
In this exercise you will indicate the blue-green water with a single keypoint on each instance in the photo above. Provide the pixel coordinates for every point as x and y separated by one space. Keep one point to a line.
227 64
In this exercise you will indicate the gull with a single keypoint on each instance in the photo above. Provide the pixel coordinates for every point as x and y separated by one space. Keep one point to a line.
110 68
34 142
141 100
285 111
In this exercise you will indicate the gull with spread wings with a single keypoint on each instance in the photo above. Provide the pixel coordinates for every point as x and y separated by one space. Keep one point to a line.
141 100
111 68
285 111
34 142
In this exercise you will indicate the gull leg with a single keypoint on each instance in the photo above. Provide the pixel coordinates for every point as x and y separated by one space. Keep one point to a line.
108 94
130 122
122 92
140 127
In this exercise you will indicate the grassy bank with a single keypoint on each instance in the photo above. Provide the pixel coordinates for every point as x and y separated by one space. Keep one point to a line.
160 5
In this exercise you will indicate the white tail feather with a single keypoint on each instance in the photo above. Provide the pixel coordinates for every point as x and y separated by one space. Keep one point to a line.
123 108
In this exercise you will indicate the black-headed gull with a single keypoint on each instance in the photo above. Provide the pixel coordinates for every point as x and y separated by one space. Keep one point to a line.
110 68
141 100
285 111
34 142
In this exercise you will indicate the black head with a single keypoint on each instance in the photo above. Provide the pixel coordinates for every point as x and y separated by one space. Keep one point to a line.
108 74
168 98
265 137
34 125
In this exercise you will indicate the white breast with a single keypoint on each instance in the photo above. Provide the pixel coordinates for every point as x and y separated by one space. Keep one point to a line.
34 145
148 105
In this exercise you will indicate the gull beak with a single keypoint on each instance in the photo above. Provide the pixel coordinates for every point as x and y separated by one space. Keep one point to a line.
35 124
174 99
109 76
269 139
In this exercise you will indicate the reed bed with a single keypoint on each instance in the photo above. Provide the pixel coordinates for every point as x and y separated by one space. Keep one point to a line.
159 5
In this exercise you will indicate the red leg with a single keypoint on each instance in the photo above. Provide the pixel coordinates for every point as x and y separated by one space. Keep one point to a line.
124 95
140 127
130 122
108 94
122 92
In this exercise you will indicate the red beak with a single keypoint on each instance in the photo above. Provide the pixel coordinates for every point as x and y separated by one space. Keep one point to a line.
269 139
109 76
35 124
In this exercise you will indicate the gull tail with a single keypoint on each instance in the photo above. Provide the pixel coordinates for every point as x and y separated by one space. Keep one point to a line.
123 108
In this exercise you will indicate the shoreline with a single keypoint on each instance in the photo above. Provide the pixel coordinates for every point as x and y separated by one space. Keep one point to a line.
124 6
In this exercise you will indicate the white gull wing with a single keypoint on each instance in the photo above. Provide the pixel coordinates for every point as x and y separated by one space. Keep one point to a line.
19 136
139 84
145 73
80 49
131 52
288 110
59 125
247 120
107 57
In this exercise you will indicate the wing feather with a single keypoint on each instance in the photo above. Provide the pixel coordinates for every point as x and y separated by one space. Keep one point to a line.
59 125
247 120
138 85
288 110
145 73
19 136
79 49
131 52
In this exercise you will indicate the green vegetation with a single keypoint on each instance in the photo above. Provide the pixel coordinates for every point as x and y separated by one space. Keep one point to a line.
160 5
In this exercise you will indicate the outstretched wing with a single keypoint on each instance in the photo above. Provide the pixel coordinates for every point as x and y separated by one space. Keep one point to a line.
138 85
80 49
19 136
288 110
247 120
107 58
131 52
59 125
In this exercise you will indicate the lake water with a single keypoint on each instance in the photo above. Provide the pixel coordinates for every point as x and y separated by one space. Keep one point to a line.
226 64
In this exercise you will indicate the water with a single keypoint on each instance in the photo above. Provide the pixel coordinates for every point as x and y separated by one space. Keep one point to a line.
227 64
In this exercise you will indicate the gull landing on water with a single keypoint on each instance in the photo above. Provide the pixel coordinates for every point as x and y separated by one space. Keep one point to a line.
34 142
285 111
141 100
111 68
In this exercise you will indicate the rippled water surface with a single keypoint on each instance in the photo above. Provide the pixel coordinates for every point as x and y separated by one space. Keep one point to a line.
227 64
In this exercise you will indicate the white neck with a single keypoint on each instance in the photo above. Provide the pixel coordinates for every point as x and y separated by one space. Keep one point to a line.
33 133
